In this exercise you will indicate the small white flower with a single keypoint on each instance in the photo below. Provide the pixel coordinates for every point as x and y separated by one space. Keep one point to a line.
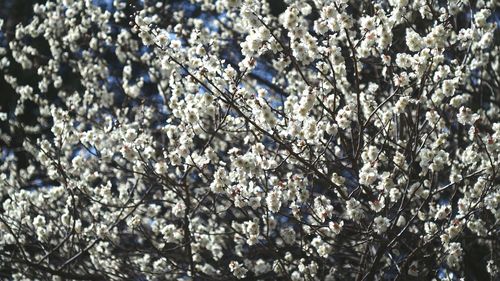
238 270
273 200
381 224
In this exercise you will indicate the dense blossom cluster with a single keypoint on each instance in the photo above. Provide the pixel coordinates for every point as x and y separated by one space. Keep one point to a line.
215 140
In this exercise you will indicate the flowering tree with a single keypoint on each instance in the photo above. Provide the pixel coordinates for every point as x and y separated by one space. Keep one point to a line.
214 140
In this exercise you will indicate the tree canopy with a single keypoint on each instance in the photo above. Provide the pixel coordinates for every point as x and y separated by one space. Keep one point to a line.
249 139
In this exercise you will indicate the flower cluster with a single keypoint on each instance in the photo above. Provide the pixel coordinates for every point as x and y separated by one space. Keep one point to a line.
210 140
